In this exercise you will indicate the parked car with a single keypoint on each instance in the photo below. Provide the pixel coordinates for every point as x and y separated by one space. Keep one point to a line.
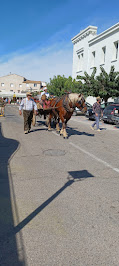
115 115
77 111
91 115
109 113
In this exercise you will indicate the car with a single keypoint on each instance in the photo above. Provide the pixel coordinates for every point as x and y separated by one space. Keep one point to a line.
77 111
109 112
115 115
90 114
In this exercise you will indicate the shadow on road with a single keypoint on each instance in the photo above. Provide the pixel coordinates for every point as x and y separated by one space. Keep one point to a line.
8 245
79 175
72 131
73 176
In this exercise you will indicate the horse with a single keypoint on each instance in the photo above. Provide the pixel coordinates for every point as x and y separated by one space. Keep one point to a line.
62 109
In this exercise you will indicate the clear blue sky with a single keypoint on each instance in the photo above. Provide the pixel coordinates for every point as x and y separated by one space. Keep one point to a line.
35 35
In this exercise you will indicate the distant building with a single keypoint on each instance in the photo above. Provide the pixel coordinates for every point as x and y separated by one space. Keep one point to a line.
14 84
91 50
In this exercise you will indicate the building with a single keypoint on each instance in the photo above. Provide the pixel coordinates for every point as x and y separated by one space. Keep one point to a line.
91 50
17 85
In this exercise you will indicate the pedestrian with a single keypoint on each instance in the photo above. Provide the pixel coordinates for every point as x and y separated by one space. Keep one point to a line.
98 113
45 92
29 106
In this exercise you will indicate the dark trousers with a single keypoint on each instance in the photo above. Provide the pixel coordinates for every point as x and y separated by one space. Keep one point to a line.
28 115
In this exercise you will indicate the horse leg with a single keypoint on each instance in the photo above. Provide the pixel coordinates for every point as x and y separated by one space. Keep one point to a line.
64 132
57 125
49 122
63 129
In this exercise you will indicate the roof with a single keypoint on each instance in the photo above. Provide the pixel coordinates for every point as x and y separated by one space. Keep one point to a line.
11 75
83 33
32 81
105 33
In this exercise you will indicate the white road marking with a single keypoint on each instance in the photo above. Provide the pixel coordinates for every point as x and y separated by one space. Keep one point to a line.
58 135
95 157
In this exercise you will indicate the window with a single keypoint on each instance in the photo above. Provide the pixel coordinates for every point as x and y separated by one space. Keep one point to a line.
2 84
18 91
11 85
103 54
11 90
35 85
93 59
80 62
27 85
20 85
116 49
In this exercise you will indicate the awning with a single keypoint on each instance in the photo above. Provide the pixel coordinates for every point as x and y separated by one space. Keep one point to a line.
11 95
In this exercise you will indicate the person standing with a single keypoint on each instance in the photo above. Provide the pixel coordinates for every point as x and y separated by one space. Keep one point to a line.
45 92
98 112
29 106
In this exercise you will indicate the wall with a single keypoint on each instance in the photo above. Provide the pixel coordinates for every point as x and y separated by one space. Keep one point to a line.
87 42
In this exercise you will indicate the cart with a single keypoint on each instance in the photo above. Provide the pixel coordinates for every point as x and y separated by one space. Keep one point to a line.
45 112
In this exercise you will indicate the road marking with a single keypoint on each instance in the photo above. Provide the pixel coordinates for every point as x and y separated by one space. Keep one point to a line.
55 133
95 157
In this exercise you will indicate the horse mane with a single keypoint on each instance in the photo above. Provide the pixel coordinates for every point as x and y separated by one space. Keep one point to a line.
74 97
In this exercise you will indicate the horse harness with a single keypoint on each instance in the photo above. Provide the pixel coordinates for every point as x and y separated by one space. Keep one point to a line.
66 102
66 106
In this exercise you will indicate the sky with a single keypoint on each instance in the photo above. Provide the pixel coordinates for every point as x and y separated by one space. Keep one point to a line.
35 35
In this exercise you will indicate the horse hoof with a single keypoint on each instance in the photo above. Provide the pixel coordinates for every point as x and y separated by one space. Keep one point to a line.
65 137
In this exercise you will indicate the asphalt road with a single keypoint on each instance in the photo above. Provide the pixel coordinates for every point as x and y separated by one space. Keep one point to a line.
59 198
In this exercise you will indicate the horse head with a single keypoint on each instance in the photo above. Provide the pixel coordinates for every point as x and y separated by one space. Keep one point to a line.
81 104
78 100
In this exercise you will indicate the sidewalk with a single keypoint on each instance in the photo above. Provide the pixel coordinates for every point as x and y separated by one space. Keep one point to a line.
8 243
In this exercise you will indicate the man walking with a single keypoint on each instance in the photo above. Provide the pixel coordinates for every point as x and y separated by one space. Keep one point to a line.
98 112
29 106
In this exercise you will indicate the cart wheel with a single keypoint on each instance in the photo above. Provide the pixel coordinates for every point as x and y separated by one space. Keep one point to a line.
34 120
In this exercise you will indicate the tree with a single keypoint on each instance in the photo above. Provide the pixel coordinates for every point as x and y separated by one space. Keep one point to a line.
104 85
56 85
60 85
108 83
90 84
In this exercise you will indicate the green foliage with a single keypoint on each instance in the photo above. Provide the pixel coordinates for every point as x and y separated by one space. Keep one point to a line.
104 85
108 83
34 94
60 85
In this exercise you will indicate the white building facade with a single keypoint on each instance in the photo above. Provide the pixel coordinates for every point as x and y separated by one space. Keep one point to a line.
91 50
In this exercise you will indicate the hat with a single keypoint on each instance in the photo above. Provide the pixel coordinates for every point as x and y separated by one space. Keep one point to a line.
45 89
98 98
28 93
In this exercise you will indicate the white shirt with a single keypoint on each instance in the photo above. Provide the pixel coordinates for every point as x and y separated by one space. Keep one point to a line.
28 105
46 93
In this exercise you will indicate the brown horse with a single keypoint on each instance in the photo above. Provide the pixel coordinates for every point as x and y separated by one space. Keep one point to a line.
63 109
